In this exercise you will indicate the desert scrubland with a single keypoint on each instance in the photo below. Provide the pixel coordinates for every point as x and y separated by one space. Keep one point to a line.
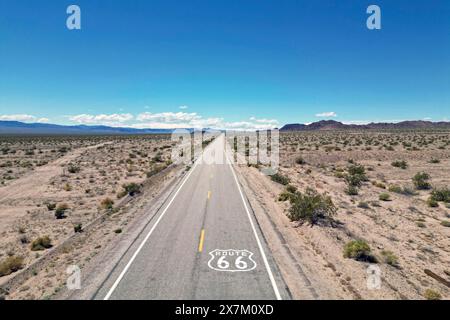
52 187
346 201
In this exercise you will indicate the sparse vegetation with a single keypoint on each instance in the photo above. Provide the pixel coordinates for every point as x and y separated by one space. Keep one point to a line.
311 207
78 228
10 265
445 223
51 206
279 178
421 181
390 258
430 294
300 160
358 250
441 195
400 164
384 197
107 204
73 168
363 205
41 243
432 203
60 212
132 188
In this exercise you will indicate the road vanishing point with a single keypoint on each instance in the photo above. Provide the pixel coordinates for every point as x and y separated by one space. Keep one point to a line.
204 243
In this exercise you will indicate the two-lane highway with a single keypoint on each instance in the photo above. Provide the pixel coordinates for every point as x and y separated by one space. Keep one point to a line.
203 244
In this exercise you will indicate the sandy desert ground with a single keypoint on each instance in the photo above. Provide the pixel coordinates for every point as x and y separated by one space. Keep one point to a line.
52 187
400 229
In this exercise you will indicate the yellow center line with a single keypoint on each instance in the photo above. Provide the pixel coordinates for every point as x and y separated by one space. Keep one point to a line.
202 239
209 195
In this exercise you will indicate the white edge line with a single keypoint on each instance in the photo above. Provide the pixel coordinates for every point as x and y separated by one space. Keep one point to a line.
122 274
266 262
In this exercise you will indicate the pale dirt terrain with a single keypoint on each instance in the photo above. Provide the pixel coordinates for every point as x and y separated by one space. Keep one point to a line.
91 170
406 225
310 258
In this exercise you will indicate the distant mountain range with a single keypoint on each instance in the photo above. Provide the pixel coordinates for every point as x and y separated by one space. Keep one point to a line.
329 125
21 128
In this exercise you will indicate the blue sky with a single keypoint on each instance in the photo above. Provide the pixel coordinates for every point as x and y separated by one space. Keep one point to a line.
230 63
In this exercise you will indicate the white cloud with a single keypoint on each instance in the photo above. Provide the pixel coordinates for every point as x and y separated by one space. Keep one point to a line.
167 120
42 120
103 119
19 117
358 122
174 117
172 120
326 114
183 107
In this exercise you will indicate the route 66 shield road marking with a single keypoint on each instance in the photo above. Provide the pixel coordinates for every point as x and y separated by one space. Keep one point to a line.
231 260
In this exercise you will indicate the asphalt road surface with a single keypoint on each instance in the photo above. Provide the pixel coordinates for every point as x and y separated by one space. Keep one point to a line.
203 244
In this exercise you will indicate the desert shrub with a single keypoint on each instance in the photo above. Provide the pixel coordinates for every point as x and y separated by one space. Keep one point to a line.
156 169
380 185
339 175
435 161
51 206
132 188
60 212
420 224
279 178
441 194
284 196
158 157
10 265
384 197
118 231
107 203
445 223
390 258
351 190
67 187
430 294
356 175
311 207
400 164
408 191
432 203
420 181
73 168
41 243
363 205
78 228
395 188
24 239
121 194
358 250
356 169
353 180
291 189
288 194
300 160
